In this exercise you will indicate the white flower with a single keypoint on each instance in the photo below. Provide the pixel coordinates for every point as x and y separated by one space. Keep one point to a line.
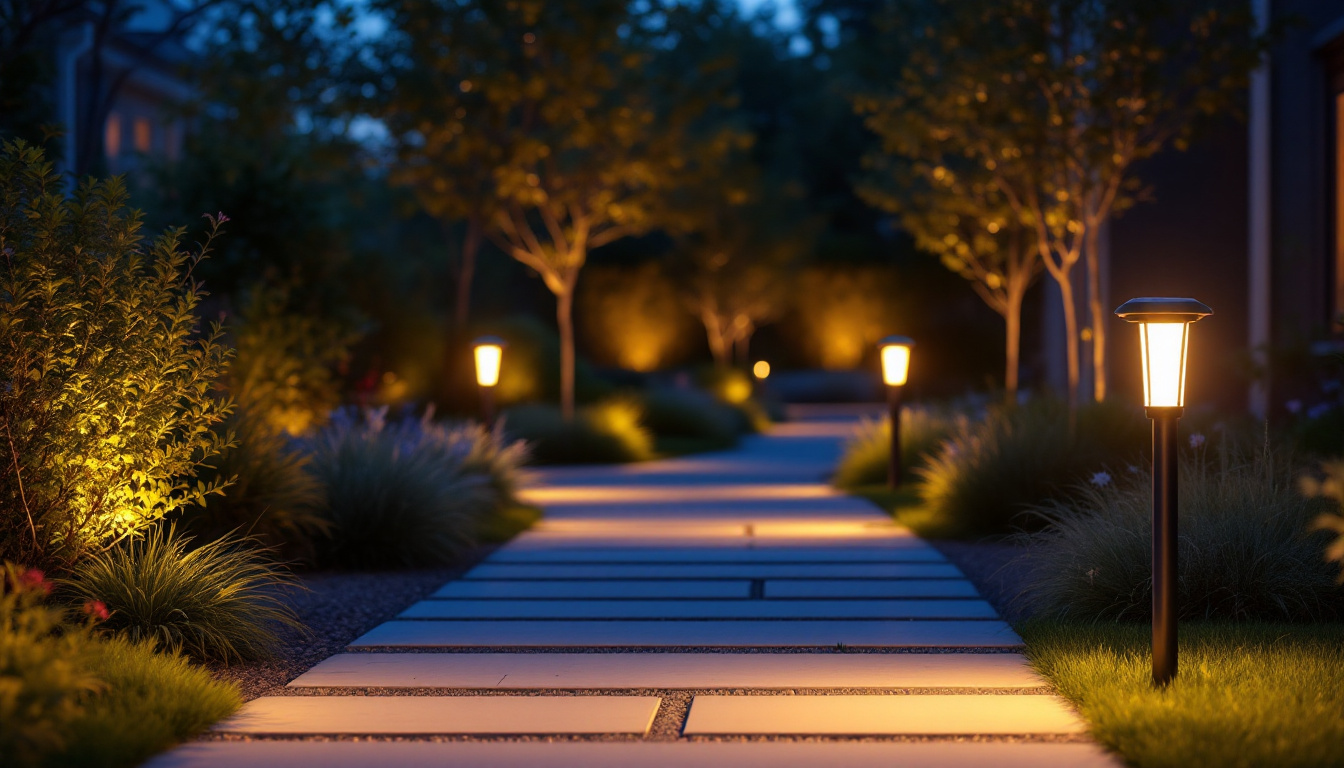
1100 479
1196 440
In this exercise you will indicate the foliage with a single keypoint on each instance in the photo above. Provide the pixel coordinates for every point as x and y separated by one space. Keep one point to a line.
1331 487
110 403
149 701
734 387
610 431
43 669
410 493
272 496
990 469
868 451
221 600
633 316
843 312
684 417
1245 547
1050 105
1247 694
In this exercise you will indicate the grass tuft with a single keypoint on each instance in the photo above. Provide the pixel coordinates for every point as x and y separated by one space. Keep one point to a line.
221 601
1246 694
866 453
611 431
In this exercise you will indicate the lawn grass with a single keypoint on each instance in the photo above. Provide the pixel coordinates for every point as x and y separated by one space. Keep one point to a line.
1246 694
148 702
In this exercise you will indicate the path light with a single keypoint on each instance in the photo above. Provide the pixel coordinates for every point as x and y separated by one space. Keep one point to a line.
761 370
1164 336
489 354
895 371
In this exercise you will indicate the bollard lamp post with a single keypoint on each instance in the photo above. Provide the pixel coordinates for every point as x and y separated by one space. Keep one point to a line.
1164 336
895 370
489 351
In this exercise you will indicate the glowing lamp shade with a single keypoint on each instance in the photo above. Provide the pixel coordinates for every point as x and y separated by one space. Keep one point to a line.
1164 341
489 353
896 359
761 369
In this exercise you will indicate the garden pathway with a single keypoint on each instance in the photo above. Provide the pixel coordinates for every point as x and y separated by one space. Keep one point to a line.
718 610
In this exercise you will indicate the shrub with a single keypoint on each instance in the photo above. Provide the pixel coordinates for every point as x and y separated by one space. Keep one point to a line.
1245 548
272 495
406 494
690 415
989 470
220 601
608 432
108 405
866 453
1330 487
633 317
43 669
734 387
842 311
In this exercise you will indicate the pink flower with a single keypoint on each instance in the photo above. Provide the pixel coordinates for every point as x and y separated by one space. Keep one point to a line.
35 579
97 609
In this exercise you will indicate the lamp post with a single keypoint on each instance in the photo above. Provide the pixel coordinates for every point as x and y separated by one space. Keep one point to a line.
895 371
1164 335
489 352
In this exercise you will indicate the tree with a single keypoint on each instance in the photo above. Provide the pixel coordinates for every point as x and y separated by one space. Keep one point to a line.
1058 100
586 140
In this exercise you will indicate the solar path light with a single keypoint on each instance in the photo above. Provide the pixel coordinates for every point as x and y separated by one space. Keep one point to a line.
489 352
895 371
1164 339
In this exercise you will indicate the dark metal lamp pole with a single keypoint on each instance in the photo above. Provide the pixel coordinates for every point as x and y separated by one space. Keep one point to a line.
895 371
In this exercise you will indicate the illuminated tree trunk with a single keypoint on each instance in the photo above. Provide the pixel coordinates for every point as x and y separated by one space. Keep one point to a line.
1099 314
564 317
1012 343
1070 337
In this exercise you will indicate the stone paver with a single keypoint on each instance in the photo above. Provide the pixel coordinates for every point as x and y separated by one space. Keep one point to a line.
496 571
700 609
671 670
721 634
437 715
595 589
867 589
880 715
694 555
503 754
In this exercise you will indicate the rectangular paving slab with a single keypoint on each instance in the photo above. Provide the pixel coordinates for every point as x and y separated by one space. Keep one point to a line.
594 589
431 715
495 571
901 715
653 634
868 589
700 609
671 670
905 554
638 754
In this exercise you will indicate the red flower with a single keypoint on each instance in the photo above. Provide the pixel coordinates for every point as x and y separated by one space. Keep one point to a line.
97 609
35 579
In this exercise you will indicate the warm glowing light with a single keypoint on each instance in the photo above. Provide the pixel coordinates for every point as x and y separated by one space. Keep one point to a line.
1164 352
761 369
1164 340
489 354
896 360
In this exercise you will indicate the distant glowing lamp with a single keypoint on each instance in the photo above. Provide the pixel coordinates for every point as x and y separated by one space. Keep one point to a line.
489 351
761 370
1164 338
895 372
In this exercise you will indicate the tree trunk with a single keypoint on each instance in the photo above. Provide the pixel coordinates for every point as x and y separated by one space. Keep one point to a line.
1012 342
564 317
1091 245
718 338
1070 339
471 245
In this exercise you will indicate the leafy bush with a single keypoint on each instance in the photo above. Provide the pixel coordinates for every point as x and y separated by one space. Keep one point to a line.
690 415
633 317
43 669
1246 551
866 453
1331 486
410 493
220 601
272 496
989 470
108 405
842 311
734 387
608 432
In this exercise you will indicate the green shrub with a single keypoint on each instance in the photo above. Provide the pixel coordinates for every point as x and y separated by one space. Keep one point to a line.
608 432
406 494
866 454
633 317
1246 551
108 402
220 601
990 469
690 416
272 496
734 387
43 669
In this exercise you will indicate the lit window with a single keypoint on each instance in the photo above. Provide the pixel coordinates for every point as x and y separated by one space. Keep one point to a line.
112 135
142 134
